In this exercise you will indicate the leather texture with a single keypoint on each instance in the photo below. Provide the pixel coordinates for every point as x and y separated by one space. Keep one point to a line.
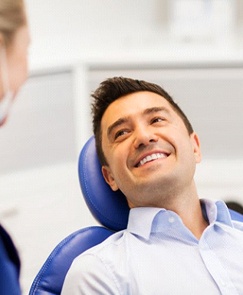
109 208
51 276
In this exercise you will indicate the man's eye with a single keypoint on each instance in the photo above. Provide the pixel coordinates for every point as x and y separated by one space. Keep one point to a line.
157 119
120 133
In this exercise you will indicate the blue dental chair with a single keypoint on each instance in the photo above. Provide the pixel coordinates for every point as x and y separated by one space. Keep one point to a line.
108 207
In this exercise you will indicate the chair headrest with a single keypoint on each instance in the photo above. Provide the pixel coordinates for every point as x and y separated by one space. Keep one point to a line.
108 207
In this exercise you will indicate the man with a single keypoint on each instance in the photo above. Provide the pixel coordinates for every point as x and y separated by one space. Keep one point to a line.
174 243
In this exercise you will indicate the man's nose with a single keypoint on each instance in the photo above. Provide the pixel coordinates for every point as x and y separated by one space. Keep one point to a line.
144 136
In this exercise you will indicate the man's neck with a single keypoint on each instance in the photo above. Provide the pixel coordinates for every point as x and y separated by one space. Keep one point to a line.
196 223
192 216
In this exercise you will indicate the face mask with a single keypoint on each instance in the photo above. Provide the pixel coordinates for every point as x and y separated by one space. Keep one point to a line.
7 99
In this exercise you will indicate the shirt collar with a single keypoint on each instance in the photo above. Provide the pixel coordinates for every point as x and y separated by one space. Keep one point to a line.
141 219
216 211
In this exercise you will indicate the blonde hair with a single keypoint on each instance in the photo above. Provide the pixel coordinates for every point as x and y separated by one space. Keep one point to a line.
12 17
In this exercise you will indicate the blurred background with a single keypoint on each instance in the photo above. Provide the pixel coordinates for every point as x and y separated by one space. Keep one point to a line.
193 48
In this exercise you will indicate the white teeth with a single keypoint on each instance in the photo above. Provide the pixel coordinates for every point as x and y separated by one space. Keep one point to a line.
151 157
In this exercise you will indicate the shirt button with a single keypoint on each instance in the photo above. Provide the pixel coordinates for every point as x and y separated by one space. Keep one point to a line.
171 219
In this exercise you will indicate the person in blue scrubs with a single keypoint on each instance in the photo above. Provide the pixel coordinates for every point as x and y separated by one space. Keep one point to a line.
14 43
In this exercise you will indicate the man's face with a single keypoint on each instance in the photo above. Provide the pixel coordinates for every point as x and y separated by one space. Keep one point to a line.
149 152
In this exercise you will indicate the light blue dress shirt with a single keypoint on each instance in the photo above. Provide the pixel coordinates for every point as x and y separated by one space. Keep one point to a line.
157 254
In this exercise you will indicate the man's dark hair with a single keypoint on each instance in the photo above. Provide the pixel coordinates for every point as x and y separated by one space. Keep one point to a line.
114 88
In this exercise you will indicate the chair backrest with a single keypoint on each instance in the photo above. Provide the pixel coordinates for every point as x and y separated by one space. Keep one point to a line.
50 278
108 207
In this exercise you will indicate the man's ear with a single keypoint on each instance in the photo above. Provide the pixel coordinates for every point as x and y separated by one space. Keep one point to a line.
196 147
108 176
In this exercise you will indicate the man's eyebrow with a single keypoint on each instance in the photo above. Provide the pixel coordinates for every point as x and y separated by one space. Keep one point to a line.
155 110
116 124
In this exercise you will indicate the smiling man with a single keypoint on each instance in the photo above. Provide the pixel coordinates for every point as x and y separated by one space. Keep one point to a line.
175 242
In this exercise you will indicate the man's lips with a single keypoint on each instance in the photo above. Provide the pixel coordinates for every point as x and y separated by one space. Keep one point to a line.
151 157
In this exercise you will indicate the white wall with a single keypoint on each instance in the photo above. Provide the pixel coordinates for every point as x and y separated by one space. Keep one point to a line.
77 27
96 22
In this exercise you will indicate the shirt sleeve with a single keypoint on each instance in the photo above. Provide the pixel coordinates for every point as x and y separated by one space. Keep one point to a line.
89 275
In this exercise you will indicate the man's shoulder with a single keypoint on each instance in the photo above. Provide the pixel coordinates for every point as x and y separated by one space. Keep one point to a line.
113 242
106 255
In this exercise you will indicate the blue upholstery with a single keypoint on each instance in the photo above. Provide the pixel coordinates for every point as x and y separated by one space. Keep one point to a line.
108 207
51 276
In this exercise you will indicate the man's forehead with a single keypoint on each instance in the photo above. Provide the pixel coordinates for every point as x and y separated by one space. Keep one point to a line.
141 99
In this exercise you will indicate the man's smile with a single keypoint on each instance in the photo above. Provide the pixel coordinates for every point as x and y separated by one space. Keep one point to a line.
151 157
